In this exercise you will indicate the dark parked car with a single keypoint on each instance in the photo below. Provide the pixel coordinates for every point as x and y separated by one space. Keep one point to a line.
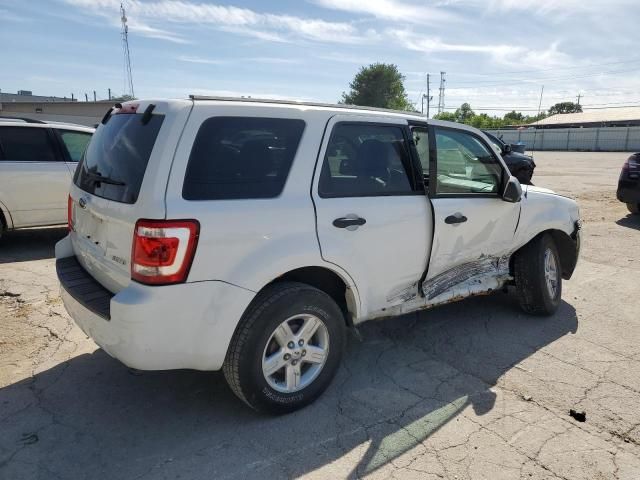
520 165
629 183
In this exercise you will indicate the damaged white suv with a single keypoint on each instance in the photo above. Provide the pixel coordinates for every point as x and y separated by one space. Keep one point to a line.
248 235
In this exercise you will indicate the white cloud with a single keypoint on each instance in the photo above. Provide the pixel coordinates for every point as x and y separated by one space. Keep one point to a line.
393 10
244 21
508 55
213 61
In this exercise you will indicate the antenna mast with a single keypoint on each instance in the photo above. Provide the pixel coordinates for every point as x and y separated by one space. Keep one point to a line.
125 50
441 96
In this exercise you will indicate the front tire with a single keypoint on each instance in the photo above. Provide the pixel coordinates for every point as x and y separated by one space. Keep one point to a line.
634 208
286 349
538 276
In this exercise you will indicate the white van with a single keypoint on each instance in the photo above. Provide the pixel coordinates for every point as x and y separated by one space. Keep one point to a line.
249 235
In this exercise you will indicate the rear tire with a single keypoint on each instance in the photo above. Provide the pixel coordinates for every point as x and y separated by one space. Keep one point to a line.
286 349
634 208
538 276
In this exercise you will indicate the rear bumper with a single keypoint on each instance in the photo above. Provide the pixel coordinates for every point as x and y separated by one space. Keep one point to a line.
169 327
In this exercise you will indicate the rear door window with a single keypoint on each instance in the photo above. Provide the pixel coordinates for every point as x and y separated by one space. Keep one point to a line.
118 153
241 157
26 144
75 143
366 160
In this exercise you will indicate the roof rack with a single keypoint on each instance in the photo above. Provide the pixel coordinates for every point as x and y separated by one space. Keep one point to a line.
306 104
24 119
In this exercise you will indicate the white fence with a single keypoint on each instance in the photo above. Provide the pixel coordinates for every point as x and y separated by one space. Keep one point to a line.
601 139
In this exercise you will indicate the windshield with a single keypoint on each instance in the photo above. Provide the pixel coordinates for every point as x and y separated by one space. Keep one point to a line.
118 154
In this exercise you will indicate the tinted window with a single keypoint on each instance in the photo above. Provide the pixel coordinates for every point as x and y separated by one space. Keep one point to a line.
365 160
76 143
241 157
26 144
465 164
119 150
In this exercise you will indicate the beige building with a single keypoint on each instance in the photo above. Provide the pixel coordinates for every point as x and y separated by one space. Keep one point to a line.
82 113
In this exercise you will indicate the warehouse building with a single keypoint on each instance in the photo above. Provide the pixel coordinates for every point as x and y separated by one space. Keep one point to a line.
82 113
603 117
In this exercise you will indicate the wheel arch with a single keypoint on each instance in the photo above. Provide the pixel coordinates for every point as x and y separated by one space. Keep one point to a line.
328 281
568 248
5 218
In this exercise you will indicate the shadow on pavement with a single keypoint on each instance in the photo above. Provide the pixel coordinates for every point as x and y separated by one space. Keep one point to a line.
630 221
30 244
91 418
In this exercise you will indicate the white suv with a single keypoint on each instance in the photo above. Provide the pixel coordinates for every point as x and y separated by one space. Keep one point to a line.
37 161
250 235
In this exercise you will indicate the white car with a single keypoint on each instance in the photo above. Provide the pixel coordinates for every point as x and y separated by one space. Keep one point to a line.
37 161
249 235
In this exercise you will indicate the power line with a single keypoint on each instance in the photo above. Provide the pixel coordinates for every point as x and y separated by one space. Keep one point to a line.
594 65
533 109
537 80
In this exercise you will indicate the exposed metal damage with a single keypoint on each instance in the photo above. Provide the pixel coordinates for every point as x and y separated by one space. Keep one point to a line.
472 272
480 277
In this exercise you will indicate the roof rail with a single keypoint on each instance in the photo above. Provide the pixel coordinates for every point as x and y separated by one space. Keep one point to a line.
24 119
307 104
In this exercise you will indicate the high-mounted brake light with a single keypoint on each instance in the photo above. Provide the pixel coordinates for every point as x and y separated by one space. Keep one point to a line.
163 250
125 108
70 213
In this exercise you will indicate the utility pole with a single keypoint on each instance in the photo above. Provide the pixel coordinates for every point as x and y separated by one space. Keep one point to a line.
94 95
109 94
441 96
86 97
579 97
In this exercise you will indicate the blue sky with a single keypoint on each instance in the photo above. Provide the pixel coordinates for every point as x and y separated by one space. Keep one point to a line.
497 53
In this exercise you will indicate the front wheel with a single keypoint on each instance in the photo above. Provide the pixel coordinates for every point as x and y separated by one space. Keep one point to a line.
538 276
634 208
286 349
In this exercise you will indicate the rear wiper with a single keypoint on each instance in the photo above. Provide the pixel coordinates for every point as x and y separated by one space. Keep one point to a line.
98 178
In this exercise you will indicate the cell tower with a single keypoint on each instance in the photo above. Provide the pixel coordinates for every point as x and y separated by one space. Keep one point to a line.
441 95
125 51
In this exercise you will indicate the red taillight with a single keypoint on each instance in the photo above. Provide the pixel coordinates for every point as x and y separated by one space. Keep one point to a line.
70 213
163 250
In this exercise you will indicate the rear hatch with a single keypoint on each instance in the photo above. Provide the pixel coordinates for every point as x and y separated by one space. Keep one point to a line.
121 178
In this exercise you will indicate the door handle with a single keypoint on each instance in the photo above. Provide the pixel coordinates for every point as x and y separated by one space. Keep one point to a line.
346 222
455 218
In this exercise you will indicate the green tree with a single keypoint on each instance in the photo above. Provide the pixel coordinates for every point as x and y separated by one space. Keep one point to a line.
378 85
565 107
464 114
514 117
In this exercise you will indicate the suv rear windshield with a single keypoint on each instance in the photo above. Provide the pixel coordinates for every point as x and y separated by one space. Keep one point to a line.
241 157
118 154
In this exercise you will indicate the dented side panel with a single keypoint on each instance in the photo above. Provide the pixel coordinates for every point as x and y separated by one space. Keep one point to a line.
462 248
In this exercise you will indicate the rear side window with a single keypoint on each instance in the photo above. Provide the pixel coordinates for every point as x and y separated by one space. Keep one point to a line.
365 160
26 145
75 142
241 157
116 158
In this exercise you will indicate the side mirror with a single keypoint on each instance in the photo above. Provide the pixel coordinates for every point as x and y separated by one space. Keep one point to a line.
513 191
507 148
